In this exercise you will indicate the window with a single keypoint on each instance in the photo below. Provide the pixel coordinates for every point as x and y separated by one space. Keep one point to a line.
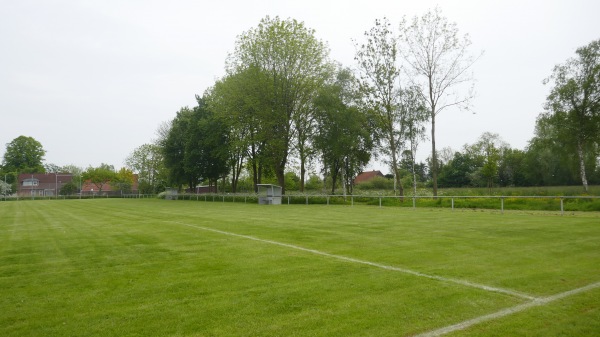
31 182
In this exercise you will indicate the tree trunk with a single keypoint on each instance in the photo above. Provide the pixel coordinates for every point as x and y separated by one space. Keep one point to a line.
333 182
413 153
582 165
302 173
397 181
434 162
344 176
280 173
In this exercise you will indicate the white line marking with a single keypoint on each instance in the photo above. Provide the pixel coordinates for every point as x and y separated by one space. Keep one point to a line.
508 311
373 264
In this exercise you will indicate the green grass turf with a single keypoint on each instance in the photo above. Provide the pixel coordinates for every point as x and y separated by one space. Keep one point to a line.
146 267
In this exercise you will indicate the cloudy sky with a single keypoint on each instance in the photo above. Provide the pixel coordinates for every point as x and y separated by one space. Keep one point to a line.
93 80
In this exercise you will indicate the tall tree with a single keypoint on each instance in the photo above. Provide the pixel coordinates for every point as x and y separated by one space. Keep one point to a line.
174 146
380 87
295 62
439 63
241 101
147 161
574 103
99 176
24 155
414 115
489 148
196 147
552 160
343 137
208 148
123 180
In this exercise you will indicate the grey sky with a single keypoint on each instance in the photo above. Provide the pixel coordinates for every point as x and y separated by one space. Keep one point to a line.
92 80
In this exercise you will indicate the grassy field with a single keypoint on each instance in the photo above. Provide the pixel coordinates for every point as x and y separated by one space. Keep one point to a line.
147 267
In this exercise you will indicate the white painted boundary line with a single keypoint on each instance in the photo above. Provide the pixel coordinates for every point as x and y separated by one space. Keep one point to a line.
373 264
506 312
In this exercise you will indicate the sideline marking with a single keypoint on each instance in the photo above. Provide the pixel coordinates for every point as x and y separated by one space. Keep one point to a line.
509 311
373 264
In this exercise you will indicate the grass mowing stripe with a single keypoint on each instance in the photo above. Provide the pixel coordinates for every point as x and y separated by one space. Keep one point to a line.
373 264
508 311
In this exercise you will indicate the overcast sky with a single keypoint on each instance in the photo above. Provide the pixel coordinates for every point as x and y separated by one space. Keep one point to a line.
93 80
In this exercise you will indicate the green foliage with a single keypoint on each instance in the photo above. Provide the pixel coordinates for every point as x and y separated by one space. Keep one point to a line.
439 63
377 183
147 161
99 176
314 183
292 181
69 188
573 106
196 147
24 155
5 188
290 64
173 147
123 181
343 139
380 86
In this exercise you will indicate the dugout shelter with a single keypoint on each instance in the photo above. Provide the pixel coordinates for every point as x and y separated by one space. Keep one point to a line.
269 194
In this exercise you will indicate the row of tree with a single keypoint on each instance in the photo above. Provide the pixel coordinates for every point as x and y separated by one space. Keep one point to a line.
283 103
490 161
26 155
283 99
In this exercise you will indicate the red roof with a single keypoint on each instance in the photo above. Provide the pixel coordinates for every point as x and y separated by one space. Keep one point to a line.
366 176
88 186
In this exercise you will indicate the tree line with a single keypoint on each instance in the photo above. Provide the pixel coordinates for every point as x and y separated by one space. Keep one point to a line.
283 103
285 113
26 155
283 99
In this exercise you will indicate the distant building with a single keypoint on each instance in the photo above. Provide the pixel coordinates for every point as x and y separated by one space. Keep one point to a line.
204 189
89 188
49 184
366 176
42 184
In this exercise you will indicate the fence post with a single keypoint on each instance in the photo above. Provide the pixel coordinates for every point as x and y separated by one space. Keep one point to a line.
288 199
502 205
562 207
414 203
452 204
379 202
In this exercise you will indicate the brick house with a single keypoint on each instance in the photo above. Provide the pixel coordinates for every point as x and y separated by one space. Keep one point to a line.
366 176
88 188
42 184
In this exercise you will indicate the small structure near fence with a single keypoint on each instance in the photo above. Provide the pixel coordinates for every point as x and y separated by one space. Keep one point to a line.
269 194
171 194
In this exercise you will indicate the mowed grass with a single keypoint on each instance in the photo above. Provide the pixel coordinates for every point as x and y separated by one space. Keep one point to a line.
184 268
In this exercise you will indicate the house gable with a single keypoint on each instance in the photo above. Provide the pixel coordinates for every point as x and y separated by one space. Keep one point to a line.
366 176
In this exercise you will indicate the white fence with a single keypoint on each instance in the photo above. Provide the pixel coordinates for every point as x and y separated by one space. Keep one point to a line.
501 203
560 204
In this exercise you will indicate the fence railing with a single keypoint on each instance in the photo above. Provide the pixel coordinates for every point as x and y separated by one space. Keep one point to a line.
73 196
560 204
501 203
